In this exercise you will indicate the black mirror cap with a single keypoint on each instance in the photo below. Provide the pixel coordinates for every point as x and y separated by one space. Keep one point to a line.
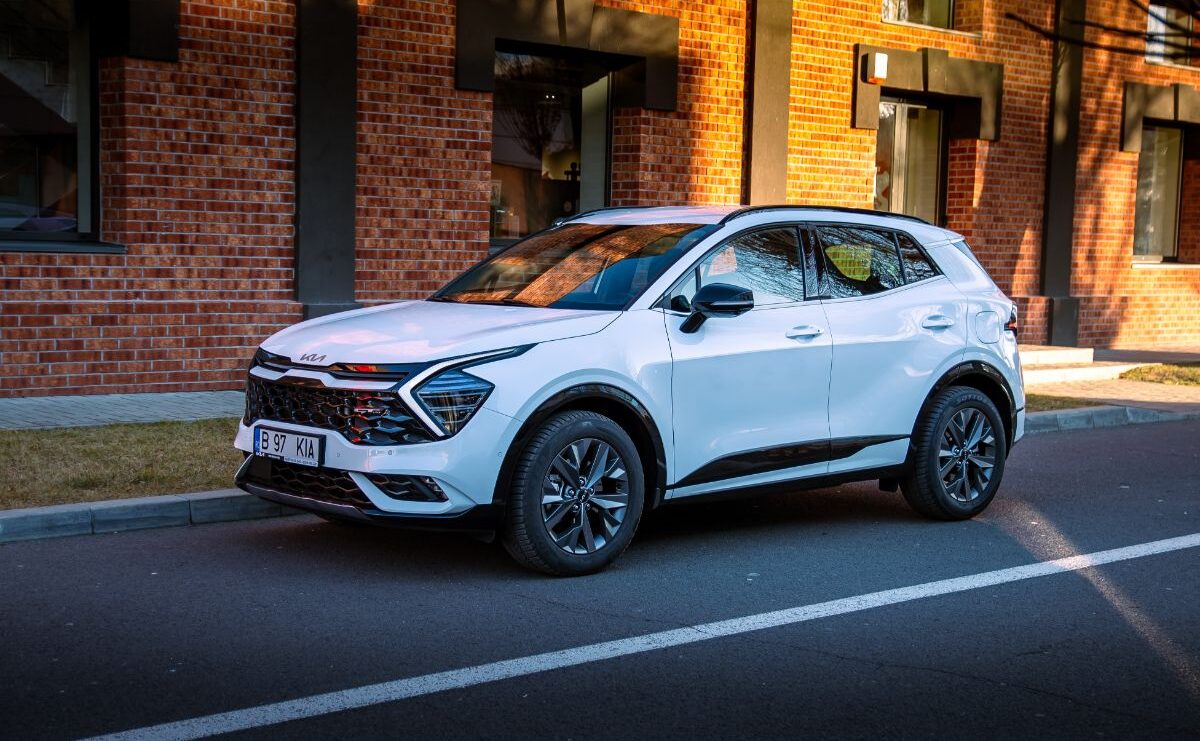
723 299
717 300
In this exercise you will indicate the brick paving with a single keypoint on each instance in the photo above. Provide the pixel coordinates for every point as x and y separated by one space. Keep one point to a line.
43 412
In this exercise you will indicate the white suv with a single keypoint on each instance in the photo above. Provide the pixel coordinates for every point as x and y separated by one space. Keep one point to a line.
627 358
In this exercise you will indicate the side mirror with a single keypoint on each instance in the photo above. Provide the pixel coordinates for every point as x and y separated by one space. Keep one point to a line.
717 300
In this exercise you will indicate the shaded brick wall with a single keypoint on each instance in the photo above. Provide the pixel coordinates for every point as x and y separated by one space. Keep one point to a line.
1121 304
1189 217
196 159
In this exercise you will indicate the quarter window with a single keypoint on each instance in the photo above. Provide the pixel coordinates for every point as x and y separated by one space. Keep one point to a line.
859 262
766 262
916 264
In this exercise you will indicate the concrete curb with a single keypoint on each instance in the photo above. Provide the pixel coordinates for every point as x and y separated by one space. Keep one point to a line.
119 515
1088 418
232 505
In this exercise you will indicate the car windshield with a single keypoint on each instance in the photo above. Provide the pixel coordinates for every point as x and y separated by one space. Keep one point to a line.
577 266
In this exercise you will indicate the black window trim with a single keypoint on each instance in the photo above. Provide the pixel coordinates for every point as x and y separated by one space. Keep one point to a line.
664 301
88 155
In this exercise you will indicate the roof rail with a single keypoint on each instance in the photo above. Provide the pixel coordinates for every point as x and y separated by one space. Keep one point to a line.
838 209
567 219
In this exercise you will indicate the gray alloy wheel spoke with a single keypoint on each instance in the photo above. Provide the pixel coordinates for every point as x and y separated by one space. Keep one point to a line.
589 538
585 496
946 468
557 515
982 461
598 464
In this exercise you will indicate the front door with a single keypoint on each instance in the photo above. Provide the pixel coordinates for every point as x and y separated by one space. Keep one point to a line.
750 393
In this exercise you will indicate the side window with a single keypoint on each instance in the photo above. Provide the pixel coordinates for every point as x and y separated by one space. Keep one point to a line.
859 262
916 264
766 262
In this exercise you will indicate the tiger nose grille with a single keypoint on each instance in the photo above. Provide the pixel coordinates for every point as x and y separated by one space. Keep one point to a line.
362 417
323 484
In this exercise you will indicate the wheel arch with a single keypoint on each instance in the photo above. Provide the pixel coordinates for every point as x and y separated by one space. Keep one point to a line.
989 381
614 403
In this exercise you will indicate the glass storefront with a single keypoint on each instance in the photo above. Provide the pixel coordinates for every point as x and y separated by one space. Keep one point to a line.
550 142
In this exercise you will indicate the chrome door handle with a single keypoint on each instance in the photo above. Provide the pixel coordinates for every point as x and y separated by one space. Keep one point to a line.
937 321
804 332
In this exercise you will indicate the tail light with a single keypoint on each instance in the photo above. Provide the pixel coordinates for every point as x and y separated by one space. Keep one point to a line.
1011 324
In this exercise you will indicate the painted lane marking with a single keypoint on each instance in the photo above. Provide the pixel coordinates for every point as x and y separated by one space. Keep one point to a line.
428 684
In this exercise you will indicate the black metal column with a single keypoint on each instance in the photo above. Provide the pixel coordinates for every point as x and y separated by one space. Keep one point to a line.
326 119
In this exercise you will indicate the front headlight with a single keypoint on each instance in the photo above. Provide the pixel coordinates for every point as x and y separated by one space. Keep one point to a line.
452 397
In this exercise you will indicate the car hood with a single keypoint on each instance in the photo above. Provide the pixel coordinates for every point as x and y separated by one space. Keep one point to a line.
421 331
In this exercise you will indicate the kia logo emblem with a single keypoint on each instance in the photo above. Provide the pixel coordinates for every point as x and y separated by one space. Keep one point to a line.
311 357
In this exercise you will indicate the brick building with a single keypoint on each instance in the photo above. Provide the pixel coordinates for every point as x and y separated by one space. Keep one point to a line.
180 178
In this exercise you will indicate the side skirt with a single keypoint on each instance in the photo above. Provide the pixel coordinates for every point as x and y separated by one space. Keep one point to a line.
789 486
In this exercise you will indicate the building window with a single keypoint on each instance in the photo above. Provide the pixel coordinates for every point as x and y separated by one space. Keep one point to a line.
1170 35
910 160
550 142
45 123
937 13
1156 219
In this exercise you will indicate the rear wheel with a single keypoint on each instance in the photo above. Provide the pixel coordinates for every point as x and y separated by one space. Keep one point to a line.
576 495
958 456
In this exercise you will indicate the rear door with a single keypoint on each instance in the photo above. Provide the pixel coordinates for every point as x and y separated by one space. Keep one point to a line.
895 323
750 393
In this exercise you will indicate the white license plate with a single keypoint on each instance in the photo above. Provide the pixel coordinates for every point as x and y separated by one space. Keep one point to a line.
293 447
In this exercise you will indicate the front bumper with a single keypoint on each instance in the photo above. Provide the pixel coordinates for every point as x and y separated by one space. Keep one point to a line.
464 468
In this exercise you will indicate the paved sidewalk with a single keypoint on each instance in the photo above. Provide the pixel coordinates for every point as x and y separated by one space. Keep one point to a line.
1158 396
43 412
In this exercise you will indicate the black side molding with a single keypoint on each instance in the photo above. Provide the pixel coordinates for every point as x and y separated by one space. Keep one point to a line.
777 458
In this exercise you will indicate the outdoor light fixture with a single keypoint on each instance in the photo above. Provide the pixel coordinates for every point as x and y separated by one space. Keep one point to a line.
877 67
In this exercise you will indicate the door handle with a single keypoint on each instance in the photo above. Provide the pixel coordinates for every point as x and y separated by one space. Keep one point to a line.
804 332
937 321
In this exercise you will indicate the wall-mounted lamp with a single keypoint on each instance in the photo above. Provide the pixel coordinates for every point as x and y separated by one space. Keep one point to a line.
877 68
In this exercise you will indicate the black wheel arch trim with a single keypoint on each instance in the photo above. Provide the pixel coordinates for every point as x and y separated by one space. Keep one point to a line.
988 371
572 397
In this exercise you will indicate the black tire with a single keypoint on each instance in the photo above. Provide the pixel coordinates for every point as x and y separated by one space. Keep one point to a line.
942 497
527 534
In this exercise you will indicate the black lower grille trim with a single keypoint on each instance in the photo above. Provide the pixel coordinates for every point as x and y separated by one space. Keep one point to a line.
323 484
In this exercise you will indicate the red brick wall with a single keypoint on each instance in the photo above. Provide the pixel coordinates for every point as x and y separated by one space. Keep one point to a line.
424 154
196 159
1121 304
1189 217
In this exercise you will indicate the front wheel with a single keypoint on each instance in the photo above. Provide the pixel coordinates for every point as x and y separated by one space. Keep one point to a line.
958 456
576 495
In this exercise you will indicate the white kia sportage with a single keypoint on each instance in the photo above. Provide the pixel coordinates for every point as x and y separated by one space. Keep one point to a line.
627 358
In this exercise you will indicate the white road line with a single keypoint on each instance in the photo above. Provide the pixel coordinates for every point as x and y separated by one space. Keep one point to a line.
400 689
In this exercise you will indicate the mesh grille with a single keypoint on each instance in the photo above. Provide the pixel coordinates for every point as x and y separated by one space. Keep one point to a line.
324 484
362 417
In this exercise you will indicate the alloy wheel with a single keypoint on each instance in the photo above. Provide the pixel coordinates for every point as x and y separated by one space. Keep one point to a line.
585 496
967 456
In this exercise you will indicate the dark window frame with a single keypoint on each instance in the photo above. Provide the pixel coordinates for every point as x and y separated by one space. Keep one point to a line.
950 15
87 239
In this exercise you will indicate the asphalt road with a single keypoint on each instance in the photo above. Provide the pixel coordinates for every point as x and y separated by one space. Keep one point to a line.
107 633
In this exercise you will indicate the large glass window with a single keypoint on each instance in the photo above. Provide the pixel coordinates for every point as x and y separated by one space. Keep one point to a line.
1170 34
938 13
43 115
550 130
858 262
1156 222
909 167
577 266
